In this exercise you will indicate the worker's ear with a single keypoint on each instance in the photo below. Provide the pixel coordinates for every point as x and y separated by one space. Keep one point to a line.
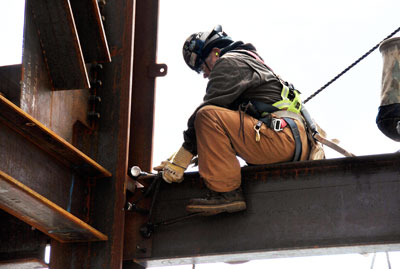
216 52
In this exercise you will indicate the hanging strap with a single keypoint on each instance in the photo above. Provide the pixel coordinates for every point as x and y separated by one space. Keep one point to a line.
297 140
289 117
332 145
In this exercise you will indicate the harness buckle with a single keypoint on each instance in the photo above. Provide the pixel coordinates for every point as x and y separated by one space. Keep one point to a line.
276 125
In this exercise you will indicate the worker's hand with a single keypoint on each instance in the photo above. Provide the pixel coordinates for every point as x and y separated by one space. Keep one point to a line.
161 166
175 166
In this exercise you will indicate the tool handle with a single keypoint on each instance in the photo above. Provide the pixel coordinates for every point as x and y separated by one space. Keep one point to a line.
135 172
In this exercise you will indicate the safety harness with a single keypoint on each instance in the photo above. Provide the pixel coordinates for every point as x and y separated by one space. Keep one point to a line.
276 120
276 116
280 114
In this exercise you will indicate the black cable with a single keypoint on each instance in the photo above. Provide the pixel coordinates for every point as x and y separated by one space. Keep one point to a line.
388 260
350 66
373 261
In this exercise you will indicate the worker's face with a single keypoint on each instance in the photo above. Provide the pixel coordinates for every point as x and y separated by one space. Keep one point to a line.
209 62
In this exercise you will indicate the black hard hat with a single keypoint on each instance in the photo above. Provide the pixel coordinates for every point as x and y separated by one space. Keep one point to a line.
197 46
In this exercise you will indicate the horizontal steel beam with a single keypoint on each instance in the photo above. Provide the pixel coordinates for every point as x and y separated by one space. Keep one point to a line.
293 209
44 215
35 131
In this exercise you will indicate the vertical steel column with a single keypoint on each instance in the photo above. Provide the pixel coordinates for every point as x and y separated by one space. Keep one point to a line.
110 145
145 71
143 92
113 144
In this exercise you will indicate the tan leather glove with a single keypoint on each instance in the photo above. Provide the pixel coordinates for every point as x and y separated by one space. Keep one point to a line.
175 166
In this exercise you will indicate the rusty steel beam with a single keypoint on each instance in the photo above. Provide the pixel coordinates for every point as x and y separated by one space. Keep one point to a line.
60 44
145 71
57 110
90 28
100 203
110 147
18 241
25 161
144 76
54 145
106 142
41 172
10 82
293 209
44 215
24 263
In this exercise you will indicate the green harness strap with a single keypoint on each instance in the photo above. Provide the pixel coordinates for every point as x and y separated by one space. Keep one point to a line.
290 105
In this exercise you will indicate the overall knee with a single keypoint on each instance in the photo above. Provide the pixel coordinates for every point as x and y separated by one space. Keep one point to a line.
204 115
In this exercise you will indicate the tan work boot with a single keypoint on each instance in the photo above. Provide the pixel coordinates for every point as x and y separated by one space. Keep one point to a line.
218 202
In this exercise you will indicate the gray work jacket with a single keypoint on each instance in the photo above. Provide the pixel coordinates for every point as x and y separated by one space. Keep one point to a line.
237 77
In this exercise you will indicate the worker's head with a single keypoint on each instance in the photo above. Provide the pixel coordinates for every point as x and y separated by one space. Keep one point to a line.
201 50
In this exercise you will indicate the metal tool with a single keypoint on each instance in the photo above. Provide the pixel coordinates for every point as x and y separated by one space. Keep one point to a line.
135 172
147 229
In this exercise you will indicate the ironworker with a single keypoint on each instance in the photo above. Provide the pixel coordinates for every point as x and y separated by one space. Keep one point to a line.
247 111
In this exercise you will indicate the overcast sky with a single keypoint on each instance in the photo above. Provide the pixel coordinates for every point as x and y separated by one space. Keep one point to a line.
11 31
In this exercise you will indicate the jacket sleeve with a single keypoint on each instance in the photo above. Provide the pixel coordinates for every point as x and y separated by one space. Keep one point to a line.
228 80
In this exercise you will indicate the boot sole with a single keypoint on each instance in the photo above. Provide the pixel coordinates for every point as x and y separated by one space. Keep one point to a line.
209 210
